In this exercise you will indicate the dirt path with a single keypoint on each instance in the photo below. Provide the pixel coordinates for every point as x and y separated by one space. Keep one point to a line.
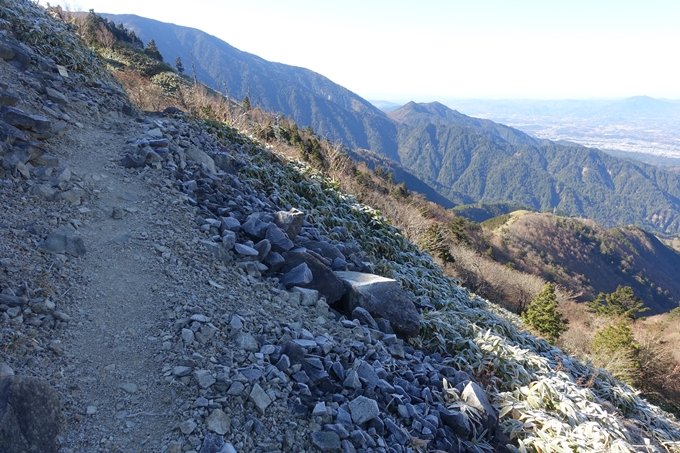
125 403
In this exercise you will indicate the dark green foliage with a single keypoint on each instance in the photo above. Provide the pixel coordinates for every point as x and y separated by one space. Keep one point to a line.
246 103
433 242
480 212
457 229
495 222
615 347
152 51
179 66
401 191
542 314
621 302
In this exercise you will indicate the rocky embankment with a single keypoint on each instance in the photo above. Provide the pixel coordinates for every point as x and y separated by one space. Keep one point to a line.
152 301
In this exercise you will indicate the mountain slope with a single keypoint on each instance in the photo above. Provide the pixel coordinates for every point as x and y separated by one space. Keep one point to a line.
463 159
309 98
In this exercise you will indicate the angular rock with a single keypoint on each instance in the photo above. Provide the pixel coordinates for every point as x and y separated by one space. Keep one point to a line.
55 96
14 54
290 222
62 240
204 378
326 440
29 415
22 120
212 444
473 395
218 422
300 275
72 196
245 250
457 421
278 239
364 317
274 261
255 228
323 278
201 158
363 409
263 248
259 398
247 342
10 134
382 298
400 435
7 98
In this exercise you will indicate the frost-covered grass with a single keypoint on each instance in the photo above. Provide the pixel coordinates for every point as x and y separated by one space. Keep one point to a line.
547 400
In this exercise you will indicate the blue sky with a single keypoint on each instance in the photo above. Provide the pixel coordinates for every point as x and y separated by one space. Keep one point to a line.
435 49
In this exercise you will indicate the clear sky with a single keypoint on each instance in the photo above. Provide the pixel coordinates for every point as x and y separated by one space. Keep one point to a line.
434 49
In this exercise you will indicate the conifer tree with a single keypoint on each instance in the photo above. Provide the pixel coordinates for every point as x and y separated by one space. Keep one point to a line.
542 314
246 103
621 302
179 66
152 51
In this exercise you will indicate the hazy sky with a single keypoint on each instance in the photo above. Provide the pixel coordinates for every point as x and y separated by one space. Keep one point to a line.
433 49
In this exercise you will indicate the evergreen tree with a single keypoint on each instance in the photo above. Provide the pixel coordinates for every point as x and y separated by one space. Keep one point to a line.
542 314
179 66
432 241
152 51
621 302
246 103
615 348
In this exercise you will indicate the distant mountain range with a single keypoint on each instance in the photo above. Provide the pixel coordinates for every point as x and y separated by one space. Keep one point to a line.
432 147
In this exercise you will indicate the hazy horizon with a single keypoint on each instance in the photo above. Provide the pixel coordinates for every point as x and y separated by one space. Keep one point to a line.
529 49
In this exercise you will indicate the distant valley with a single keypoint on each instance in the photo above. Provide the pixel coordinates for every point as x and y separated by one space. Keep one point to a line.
639 127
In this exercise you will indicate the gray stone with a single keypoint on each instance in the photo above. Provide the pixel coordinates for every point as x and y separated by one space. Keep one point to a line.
323 278
283 363
14 158
187 427
308 297
455 420
382 298
188 335
260 398
29 415
181 371
279 241
236 389
55 96
155 133
129 387
364 317
72 196
263 248
201 158
300 275
218 422
231 224
400 435
212 444
23 120
8 98
218 250
6 370
255 228
363 409
45 191
274 261
473 395
290 222
326 440
62 240
247 342
245 250
368 375
204 378
352 380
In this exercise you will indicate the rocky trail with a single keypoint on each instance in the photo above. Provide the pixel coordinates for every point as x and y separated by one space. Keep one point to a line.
169 285
171 307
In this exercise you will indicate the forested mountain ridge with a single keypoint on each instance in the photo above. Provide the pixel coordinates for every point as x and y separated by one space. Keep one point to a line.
463 159
310 98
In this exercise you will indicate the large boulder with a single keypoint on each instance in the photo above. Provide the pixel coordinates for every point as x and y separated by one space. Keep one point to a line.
29 415
324 280
63 240
382 298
